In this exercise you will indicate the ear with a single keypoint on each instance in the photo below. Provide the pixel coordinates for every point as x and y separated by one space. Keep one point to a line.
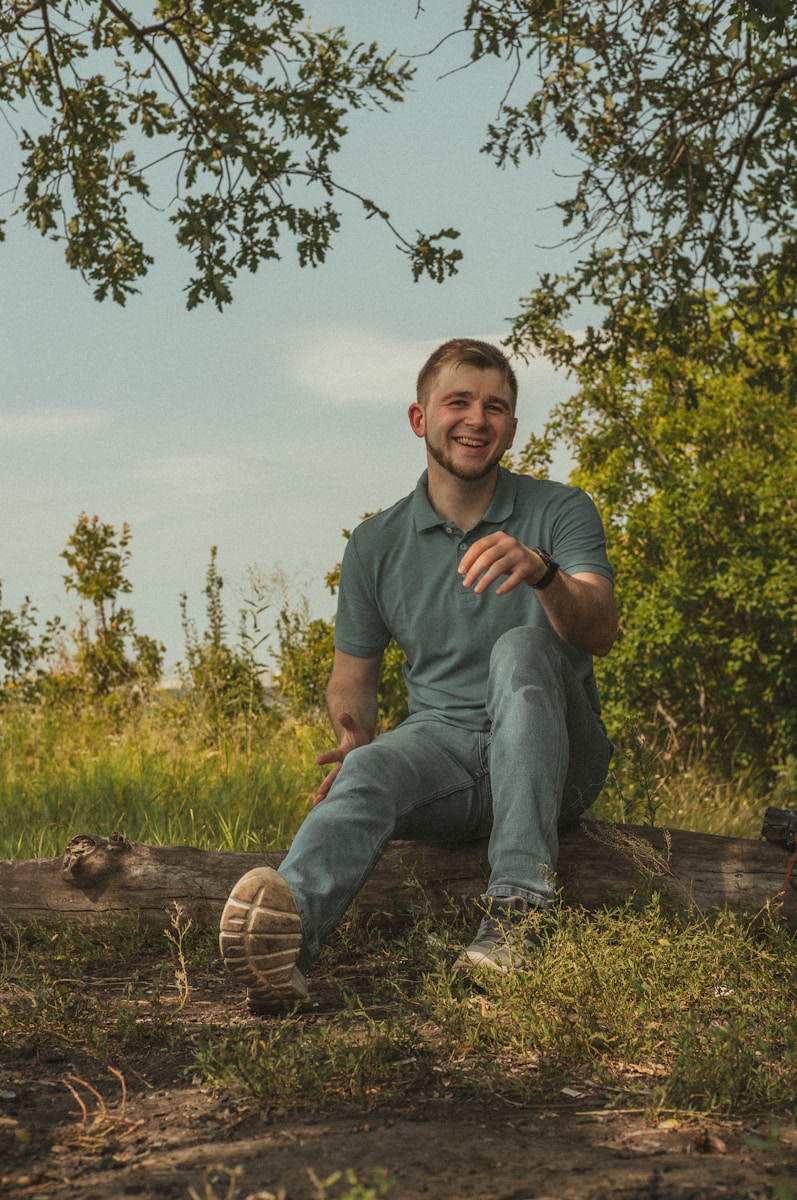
514 431
417 416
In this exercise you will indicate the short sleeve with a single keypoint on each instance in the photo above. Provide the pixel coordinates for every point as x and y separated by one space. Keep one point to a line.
359 627
578 537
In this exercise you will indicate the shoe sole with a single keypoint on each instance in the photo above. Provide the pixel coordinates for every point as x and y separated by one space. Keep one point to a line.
478 958
260 936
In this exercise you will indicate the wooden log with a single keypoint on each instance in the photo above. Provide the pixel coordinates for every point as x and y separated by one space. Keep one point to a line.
600 864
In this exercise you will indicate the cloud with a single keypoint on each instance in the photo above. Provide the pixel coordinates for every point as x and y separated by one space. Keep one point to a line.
346 365
51 422
199 474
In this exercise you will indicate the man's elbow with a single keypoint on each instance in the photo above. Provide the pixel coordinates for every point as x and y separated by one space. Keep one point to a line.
604 643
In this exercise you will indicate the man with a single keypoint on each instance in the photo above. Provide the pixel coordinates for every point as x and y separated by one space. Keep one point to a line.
497 588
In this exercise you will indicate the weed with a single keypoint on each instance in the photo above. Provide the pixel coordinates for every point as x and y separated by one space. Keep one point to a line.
96 990
636 780
152 774
645 1007
296 1062
325 1189
355 1188
176 936
102 1128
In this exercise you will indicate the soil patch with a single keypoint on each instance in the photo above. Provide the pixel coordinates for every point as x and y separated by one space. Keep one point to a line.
149 1129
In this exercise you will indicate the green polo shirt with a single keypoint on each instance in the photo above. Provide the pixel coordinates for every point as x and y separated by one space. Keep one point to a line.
399 579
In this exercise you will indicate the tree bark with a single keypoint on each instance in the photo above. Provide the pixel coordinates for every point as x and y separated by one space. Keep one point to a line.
600 865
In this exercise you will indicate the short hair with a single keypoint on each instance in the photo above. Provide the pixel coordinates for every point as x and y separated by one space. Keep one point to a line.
479 354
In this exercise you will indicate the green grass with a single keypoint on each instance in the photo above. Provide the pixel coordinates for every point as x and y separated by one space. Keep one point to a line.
157 774
633 1007
161 772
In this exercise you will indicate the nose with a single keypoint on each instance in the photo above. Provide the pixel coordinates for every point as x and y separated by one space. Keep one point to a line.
475 415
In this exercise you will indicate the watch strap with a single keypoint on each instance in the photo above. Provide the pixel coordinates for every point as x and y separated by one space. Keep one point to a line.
551 569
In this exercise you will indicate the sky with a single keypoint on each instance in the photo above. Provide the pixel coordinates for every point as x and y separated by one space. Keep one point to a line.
269 428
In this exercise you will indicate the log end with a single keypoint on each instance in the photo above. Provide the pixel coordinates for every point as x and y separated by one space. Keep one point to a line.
89 859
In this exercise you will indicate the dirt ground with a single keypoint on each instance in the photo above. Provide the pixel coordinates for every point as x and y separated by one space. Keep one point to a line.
68 1129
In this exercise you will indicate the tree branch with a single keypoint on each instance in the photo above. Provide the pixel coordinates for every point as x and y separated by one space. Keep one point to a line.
138 35
67 107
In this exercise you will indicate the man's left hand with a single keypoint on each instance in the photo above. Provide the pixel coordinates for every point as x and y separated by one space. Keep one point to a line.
498 555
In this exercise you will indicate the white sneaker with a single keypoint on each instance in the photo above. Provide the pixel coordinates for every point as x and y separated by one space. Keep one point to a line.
260 938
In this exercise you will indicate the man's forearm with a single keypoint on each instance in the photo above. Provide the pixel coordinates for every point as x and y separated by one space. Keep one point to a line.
362 712
580 607
581 612
352 690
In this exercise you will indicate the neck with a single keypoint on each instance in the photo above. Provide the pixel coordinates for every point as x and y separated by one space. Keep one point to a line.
461 501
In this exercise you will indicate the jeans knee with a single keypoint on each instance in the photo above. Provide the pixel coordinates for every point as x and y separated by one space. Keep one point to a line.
524 645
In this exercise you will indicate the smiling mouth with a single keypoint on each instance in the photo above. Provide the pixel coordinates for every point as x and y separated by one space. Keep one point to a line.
461 441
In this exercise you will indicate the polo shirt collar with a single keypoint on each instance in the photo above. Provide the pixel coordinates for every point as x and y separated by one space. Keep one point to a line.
501 506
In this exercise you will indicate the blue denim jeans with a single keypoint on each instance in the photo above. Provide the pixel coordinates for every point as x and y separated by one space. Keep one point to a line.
542 762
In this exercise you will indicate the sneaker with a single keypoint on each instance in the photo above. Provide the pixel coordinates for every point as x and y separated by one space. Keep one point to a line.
260 939
505 935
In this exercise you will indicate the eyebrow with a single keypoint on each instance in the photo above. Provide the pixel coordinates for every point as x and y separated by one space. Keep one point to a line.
464 394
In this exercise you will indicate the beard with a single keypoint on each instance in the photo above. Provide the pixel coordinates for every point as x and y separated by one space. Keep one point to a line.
470 474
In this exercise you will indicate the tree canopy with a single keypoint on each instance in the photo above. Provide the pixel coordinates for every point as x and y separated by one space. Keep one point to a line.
693 462
679 116
216 112
681 215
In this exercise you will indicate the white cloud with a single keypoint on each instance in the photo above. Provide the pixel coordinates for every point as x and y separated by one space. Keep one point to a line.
51 422
345 365
348 365
199 474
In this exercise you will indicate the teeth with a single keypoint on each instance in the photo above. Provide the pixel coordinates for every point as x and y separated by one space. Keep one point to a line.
469 442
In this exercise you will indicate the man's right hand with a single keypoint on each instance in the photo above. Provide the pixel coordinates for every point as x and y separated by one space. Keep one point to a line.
352 736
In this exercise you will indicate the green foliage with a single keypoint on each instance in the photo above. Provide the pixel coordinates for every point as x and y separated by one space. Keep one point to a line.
304 661
108 650
693 462
354 1187
634 778
248 100
23 649
635 1002
636 1007
289 1063
680 118
18 645
679 115
306 650
98 557
227 681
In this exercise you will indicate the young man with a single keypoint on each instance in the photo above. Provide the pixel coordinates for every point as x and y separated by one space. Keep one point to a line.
497 588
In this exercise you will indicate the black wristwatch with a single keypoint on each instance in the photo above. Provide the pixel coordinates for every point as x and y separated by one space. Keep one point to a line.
552 568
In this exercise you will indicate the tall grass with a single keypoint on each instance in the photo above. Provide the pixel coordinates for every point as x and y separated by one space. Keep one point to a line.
645 788
162 771
157 772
